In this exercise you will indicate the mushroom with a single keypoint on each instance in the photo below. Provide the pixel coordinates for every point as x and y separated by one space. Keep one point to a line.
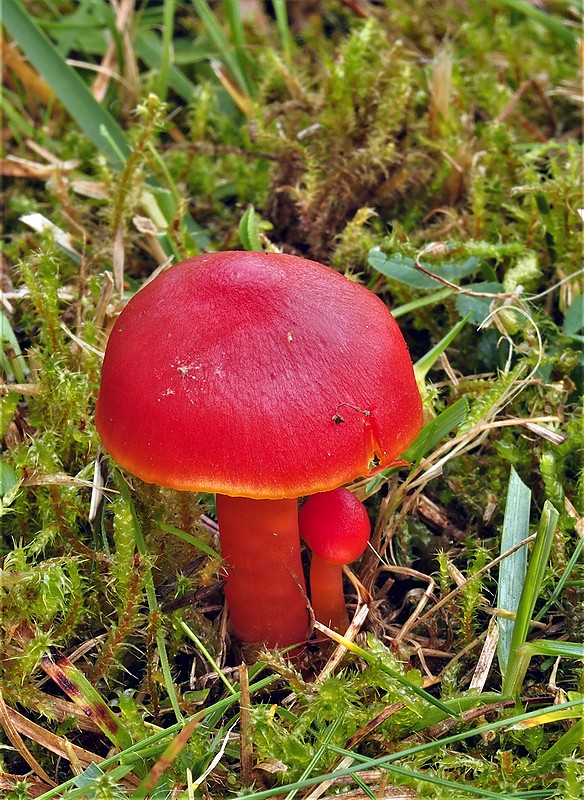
261 377
335 525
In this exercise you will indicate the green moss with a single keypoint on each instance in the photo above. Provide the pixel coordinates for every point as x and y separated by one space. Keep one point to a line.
427 122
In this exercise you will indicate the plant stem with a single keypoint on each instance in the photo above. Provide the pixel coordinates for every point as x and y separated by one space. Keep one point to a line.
265 588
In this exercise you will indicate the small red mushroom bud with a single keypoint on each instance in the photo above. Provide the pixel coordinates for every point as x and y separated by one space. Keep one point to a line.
336 527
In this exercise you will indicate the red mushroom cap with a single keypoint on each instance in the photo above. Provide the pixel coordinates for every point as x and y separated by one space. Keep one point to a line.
335 525
256 374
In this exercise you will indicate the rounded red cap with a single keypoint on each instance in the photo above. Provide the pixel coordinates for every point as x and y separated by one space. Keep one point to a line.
335 526
253 374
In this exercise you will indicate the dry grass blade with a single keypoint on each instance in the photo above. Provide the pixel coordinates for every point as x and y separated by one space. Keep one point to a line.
165 761
485 659
341 650
361 8
15 167
442 727
13 734
28 389
37 90
447 598
241 100
56 744
125 10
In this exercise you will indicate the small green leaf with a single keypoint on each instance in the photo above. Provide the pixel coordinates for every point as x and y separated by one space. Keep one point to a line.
249 231
477 309
8 405
401 268
8 478
574 319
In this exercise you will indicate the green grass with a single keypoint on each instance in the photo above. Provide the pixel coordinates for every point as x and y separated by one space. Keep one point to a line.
428 151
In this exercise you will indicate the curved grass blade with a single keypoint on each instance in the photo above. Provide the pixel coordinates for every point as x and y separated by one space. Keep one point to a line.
286 37
190 539
424 364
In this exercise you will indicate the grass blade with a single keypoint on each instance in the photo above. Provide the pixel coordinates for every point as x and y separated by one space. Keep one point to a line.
516 666
74 683
12 361
437 429
431 434
194 638
190 539
421 302
150 48
432 779
150 780
153 606
563 580
513 568
91 117
232 12
224 46
281 13
563 748
424 364
427 747
166 54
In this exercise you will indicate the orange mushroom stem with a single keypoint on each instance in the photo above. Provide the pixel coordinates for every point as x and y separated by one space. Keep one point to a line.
265 589
328 597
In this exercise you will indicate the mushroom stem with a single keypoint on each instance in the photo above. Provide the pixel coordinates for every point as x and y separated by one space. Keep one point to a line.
265 588
327 596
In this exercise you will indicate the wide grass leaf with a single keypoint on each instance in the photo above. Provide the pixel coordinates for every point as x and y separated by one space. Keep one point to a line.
91 117
514 566
530 592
